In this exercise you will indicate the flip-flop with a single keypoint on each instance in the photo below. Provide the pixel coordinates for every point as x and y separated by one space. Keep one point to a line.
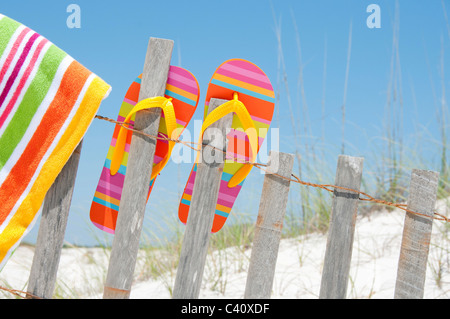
245 84
183 90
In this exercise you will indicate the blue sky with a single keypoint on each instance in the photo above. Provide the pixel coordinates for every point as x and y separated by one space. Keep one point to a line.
113 38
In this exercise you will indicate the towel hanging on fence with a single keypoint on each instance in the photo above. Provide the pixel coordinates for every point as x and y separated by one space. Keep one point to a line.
47 102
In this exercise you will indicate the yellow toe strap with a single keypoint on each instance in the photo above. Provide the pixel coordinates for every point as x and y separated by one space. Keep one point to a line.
169 115
241 111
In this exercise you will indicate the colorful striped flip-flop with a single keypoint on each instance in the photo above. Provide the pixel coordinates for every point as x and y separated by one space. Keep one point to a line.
255 91
183 89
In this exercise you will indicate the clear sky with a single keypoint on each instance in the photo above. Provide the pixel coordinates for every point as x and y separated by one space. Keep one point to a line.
112 43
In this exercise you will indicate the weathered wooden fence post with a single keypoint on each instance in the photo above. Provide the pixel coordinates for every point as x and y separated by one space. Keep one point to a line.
49 243
269 224
338 252
203 206
137 179
412 263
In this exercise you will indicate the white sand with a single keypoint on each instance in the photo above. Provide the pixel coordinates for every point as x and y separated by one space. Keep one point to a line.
298 272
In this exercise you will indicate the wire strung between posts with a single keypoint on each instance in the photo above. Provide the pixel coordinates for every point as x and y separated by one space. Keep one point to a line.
295 179
18 293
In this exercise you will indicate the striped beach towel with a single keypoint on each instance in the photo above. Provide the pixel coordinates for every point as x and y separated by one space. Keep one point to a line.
47 102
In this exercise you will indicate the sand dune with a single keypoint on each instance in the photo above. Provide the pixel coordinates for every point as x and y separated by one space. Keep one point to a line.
298 272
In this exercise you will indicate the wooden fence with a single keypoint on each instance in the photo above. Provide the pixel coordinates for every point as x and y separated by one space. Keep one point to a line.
414 247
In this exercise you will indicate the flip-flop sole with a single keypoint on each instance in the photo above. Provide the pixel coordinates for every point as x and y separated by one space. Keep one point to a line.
256 92
183 88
